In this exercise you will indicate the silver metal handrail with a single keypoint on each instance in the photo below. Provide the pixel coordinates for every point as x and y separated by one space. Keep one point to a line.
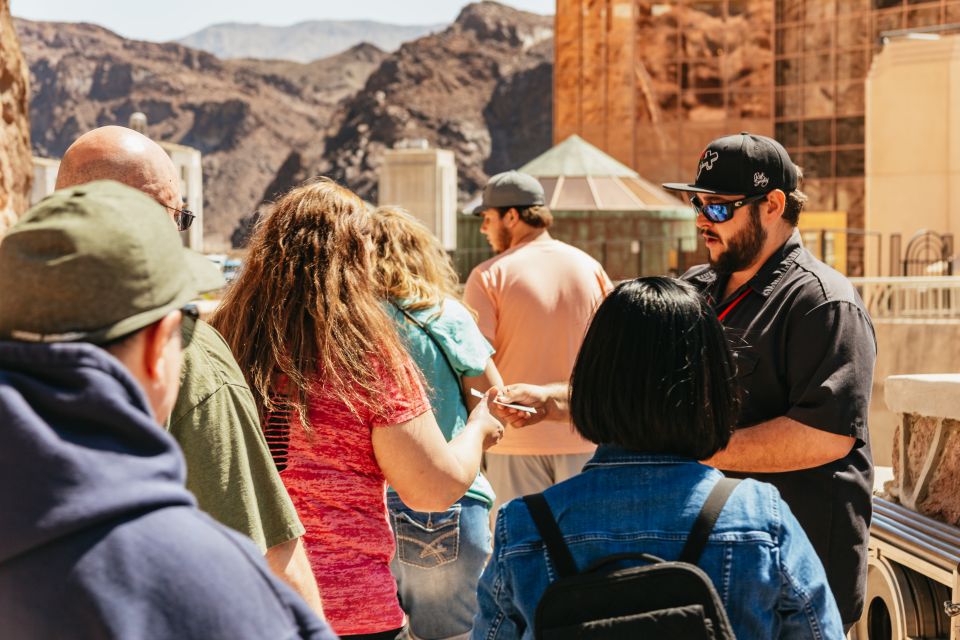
911 298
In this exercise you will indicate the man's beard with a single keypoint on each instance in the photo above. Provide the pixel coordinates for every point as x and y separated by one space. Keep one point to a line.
743 248
503 240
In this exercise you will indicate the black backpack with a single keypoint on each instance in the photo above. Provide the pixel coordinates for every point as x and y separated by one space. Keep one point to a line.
657 600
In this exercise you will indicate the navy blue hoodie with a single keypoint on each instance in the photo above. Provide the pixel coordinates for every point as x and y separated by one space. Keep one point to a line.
98 536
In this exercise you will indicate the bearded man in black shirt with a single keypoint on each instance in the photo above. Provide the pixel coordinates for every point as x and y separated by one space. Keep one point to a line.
805 351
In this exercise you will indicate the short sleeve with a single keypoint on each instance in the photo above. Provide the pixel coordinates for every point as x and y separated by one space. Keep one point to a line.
396 405
461 340
831 352
230 469
477 297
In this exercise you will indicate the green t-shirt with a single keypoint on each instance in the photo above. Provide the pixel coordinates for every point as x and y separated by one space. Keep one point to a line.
229 467
467 350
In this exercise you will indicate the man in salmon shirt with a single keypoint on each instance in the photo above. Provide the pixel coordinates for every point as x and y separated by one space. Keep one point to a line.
534 301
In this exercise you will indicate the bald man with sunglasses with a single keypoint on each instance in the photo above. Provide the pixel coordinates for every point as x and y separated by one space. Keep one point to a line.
805 352
215 419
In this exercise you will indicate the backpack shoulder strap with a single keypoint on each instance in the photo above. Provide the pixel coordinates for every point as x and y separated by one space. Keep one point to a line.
550 532
699 534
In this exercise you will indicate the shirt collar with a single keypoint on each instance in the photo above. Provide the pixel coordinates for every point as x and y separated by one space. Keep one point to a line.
765 280
608 454
540 238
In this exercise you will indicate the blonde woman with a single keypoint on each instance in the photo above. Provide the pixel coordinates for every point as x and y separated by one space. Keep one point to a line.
345 409
440 555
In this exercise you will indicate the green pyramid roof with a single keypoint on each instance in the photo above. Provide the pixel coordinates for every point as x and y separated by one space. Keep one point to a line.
576 176
576 157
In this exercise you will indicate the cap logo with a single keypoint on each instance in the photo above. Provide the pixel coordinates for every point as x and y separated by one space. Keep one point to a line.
706 161
760 179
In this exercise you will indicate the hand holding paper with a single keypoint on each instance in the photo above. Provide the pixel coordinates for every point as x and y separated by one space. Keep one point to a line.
516 407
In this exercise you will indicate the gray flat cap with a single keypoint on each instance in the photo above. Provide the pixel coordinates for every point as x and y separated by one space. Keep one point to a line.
511 189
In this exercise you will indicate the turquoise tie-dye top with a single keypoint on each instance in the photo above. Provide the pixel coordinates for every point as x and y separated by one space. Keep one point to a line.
468 351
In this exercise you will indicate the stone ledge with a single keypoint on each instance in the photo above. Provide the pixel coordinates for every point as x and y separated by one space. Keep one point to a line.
935 394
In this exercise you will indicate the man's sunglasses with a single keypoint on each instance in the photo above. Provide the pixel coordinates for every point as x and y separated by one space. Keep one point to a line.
722 211
183 217
191 311
189 316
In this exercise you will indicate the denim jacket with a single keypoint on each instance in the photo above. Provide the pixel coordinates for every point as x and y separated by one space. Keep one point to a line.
761 563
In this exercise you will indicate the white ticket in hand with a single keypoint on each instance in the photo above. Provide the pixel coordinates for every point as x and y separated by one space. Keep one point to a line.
518 407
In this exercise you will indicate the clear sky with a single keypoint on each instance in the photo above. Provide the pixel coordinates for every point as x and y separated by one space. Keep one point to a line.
172 19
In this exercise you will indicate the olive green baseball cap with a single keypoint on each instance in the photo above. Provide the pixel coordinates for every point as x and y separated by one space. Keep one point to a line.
94 263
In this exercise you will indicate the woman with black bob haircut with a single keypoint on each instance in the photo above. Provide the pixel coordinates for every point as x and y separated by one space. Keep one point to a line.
654 387
654 373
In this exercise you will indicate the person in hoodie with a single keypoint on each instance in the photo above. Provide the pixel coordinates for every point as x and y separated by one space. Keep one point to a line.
99 538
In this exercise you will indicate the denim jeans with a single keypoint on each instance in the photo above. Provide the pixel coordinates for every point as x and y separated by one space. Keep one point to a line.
438 563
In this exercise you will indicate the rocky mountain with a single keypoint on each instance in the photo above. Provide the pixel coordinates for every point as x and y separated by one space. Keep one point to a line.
482 87
245 116
324 81
301 42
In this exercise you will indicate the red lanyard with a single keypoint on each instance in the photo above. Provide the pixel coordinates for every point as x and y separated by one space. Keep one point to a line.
732 305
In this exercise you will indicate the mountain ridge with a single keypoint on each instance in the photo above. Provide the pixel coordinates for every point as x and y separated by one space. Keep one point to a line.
482 88
244 116
465 89
303 41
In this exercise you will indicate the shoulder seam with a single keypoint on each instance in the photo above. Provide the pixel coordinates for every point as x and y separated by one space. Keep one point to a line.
208 398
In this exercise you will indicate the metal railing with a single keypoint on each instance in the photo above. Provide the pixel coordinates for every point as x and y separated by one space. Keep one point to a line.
621 258
911 298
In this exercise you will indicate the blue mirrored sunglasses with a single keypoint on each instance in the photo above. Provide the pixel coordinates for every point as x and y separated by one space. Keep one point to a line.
722 211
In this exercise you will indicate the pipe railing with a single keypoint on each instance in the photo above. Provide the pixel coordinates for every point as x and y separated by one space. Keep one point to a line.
911 298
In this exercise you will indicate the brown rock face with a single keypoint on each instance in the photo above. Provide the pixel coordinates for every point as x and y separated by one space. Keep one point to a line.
15 166
246 116
481 88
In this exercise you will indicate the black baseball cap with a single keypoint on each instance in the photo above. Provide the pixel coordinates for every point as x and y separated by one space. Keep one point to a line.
742 164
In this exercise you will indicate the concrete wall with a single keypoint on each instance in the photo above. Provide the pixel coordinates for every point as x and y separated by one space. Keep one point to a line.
913 139
627 243
907 348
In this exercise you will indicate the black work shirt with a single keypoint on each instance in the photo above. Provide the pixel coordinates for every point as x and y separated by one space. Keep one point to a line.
805 349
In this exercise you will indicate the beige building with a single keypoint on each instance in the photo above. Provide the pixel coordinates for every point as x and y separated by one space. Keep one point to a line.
44 178
424 182
187 160
913 139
